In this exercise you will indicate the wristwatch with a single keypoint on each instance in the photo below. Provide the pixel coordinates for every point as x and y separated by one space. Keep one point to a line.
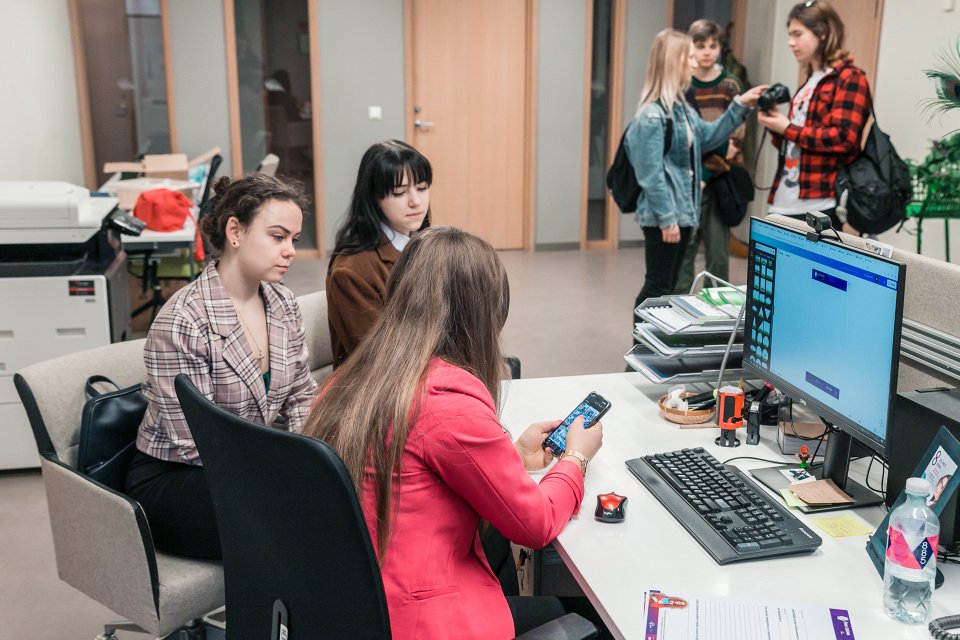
581 459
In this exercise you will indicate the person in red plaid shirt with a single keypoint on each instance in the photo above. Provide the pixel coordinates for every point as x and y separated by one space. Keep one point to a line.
827 115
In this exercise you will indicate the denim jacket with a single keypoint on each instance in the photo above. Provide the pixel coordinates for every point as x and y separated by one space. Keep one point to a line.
670 186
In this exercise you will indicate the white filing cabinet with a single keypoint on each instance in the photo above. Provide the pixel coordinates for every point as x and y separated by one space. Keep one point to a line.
43 318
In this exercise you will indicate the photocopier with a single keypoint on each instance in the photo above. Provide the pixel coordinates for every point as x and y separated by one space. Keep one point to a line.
63 289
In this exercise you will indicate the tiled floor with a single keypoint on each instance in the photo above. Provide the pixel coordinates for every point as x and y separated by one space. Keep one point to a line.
569 315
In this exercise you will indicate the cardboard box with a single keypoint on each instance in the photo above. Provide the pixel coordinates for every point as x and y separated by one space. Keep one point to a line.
166 165
790 444
129 190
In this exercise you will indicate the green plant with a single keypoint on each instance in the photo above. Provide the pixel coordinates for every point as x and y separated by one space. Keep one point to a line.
940 170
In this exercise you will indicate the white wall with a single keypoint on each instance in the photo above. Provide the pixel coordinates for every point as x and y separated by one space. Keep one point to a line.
561 47
644 21
199 64
911 34
39 121
361 65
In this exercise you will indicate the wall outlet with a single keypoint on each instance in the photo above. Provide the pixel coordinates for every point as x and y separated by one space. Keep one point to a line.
375 113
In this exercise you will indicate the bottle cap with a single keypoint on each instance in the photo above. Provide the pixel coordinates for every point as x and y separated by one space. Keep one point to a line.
918 487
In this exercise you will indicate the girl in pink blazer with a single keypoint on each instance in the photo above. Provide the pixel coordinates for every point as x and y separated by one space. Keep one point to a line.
413 414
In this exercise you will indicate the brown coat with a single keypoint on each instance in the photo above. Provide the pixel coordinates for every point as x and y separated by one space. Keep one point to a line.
356 285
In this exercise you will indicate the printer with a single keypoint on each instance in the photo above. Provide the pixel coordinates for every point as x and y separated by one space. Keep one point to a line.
63 282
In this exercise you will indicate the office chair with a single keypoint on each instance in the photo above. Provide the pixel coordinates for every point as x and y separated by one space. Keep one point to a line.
103 543
153 270
296 549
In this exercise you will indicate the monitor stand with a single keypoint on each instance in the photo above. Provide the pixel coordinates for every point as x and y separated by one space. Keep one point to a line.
836 464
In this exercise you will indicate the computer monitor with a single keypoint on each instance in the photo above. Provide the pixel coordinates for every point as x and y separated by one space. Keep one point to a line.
823 325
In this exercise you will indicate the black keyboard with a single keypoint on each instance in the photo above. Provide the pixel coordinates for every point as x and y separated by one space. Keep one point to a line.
729 515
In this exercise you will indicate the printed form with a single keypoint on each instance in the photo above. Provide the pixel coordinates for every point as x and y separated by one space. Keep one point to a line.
671 617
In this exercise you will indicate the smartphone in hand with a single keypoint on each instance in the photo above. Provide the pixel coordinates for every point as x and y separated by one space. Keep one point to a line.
593 407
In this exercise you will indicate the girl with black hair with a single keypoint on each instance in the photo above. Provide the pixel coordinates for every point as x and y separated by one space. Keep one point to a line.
238 333
391 201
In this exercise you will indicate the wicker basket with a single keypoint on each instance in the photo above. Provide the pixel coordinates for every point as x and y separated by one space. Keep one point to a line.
689 418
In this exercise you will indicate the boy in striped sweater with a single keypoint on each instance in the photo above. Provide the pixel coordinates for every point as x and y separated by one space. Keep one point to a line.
711 92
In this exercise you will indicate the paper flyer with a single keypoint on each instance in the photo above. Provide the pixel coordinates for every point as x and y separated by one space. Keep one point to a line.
938 473
682 617
939 466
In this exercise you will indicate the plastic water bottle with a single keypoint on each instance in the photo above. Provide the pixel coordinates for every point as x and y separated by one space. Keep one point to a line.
911 563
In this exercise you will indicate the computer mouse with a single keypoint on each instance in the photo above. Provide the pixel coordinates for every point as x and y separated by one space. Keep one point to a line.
610 507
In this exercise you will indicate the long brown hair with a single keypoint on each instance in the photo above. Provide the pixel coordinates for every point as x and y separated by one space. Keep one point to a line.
667 76
823 21
447 297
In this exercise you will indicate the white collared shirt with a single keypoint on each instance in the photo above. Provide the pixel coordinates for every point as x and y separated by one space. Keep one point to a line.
397 239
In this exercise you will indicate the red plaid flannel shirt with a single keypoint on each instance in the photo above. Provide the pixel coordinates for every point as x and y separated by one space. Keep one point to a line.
832 133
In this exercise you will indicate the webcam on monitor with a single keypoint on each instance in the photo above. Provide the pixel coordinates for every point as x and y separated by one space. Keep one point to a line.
819 222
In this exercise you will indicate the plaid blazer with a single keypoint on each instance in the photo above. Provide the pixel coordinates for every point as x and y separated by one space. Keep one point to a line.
832 133
198 333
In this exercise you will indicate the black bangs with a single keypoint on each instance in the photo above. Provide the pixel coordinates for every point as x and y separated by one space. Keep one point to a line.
396 160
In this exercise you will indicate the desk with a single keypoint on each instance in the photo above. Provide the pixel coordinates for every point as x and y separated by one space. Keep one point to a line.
149 247
615 563
161 240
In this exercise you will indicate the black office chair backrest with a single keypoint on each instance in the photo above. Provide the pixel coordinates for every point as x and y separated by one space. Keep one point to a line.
208 184
291 529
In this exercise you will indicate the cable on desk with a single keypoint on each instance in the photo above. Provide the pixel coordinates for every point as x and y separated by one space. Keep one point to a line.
755 458
793 428
883 466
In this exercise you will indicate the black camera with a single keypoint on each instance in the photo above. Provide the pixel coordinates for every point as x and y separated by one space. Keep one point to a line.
820 222
774 95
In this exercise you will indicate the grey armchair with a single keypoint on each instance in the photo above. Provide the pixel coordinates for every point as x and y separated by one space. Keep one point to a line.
313 306
101 537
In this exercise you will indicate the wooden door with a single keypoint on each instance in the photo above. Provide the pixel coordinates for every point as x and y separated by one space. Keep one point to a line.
862 20
109 76
467 99
861 26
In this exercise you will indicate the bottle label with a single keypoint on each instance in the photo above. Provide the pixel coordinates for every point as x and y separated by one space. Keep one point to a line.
911 552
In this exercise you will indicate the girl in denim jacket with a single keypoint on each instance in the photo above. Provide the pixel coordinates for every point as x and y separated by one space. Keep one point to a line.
668 208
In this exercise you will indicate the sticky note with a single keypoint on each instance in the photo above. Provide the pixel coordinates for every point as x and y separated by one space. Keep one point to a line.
843 526
791 498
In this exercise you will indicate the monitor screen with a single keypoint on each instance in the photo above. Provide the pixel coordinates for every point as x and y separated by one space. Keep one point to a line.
823 325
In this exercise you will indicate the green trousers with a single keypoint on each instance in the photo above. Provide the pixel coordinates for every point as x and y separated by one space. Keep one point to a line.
716 240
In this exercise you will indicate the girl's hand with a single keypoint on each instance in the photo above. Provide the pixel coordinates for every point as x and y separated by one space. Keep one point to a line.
774 121
586 441
671 234
749 97
530 444
732 151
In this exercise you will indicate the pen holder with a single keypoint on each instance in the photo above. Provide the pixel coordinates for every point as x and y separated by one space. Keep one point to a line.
687 417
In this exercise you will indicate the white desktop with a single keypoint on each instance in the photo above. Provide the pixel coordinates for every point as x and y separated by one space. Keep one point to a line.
615 564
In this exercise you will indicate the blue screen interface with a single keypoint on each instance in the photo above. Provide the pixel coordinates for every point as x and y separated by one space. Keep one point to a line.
558 439
823 318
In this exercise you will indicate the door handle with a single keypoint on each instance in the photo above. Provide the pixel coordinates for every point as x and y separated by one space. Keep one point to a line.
422 124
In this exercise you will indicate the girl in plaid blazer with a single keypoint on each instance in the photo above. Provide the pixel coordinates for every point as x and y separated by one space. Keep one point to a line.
827 115
238 333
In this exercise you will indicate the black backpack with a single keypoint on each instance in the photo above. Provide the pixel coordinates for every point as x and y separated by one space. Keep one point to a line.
875 188
621 178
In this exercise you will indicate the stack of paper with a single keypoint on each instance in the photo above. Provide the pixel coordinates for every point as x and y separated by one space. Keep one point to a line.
673 344
678 616
693 313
